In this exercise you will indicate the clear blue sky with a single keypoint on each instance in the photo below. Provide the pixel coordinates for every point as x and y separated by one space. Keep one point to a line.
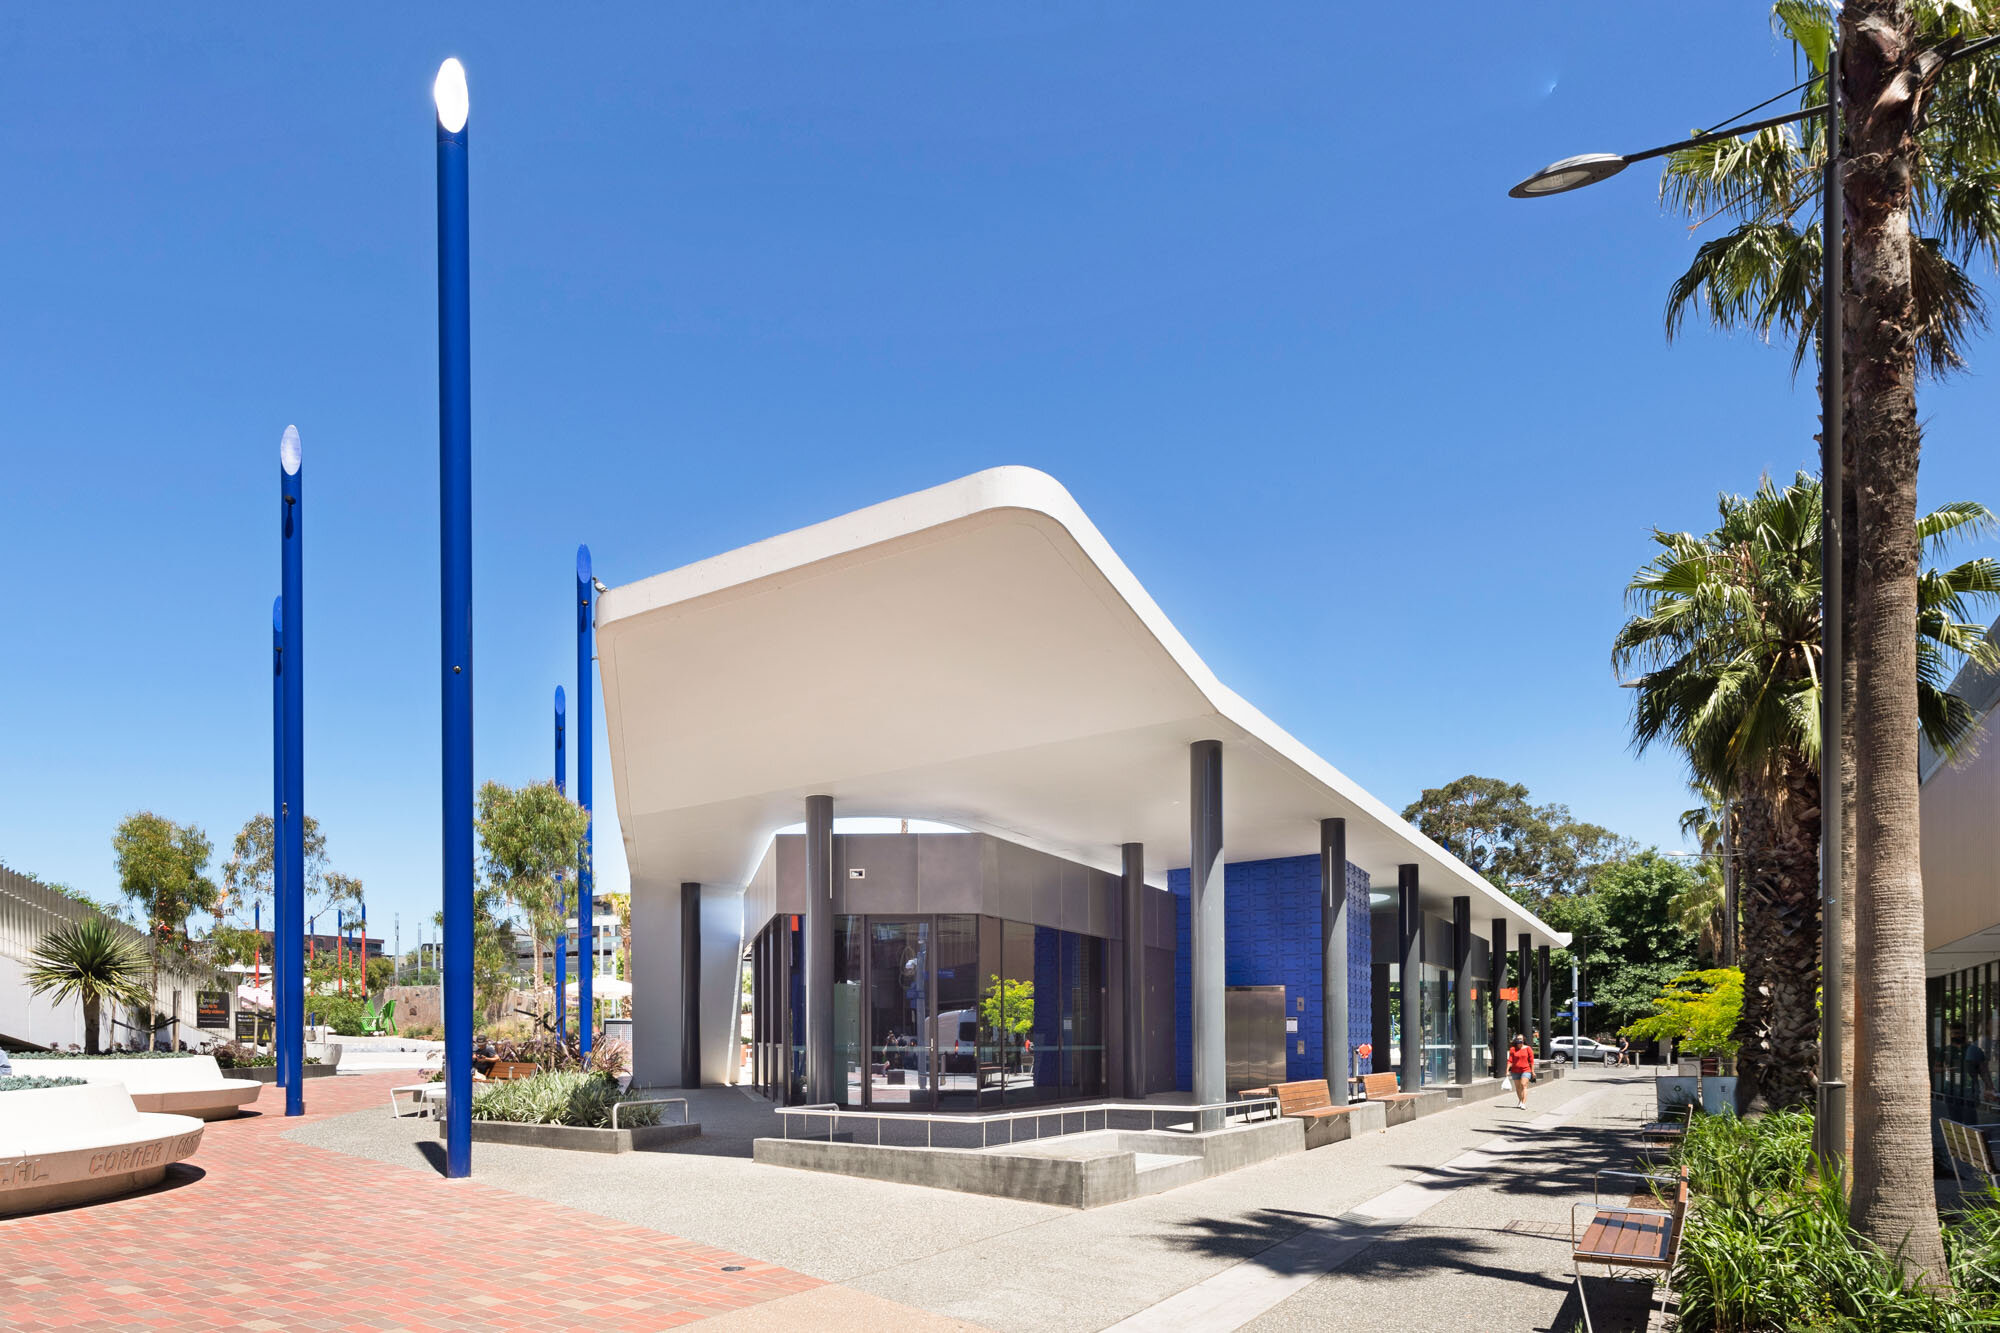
1382 441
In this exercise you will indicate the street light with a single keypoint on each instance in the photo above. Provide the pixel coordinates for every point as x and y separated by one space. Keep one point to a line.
1573 173
291 609
1830 1118
454 107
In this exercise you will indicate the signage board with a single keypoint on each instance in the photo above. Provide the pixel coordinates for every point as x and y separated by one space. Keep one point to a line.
211 1009
252 1026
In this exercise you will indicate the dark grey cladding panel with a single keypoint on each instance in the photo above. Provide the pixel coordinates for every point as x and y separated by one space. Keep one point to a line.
950 871
1382 930
1439 947
889 883
1160 925
760 895
1102 909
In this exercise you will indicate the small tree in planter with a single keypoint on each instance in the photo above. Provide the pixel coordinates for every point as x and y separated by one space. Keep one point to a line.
1698 1011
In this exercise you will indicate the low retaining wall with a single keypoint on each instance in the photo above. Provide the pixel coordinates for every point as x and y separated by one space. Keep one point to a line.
1103 1170
576 1138
269 1073
65 1146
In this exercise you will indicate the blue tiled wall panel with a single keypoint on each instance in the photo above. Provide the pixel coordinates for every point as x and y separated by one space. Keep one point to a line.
1271 922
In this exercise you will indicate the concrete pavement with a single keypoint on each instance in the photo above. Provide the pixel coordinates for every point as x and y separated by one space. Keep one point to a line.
1466 1221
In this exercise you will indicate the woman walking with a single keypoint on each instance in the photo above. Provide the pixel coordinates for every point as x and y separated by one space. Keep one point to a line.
1520 1065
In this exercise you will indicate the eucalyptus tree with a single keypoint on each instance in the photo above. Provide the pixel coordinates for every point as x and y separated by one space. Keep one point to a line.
1726 636
162 870
530 838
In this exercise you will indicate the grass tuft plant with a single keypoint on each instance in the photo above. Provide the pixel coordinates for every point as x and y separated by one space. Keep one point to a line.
563 1097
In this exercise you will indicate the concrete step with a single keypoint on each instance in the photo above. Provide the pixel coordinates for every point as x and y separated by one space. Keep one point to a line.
1158 1171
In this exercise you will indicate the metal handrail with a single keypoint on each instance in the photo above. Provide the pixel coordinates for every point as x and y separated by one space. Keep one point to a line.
1257 1108
686 1118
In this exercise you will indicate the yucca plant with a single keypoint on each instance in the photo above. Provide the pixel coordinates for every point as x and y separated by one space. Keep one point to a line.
92 961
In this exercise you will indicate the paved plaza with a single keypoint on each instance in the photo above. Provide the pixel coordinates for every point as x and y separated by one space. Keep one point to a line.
1457 1221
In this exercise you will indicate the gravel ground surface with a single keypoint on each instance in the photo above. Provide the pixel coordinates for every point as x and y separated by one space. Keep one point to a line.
1482 1256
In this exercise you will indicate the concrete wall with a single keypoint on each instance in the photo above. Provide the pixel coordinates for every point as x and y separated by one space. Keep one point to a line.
722 945
1961 842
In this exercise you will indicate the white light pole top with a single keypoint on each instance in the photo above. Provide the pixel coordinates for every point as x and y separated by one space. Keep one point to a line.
454 102
288 451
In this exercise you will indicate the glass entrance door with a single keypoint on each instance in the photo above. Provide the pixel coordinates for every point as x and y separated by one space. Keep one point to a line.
902 1063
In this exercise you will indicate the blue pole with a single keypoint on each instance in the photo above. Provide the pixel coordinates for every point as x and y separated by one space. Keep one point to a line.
586 916
455 589
562 930
292 604
278 1047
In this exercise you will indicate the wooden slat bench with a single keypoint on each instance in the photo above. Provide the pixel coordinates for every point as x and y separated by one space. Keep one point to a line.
1401 1107
1970 1150
1309 1100
1629 1240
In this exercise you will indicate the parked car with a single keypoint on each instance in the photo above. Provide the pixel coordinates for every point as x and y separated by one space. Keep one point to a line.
1563 1050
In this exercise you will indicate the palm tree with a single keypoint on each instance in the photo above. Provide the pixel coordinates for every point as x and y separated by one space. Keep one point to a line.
92 961
1726 632
1922 147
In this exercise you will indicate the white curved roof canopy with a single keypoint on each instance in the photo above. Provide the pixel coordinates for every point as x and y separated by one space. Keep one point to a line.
976 654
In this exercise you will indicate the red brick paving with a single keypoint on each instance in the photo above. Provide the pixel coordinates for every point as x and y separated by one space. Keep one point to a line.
278 1235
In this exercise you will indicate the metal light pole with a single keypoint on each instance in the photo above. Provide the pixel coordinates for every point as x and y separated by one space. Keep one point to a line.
586 915
562 928
455 602
1830 1120
280 1001
293 607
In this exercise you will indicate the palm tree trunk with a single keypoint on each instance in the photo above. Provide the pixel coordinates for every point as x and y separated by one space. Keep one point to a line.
91 1005
1850 1027
1778 889
1884 74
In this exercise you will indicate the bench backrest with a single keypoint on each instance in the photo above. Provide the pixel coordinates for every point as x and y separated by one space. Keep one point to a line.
1967 1145
503 1070
1307 1095
1379 1085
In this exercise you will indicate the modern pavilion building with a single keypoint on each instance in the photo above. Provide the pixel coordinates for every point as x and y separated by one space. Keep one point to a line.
1152 885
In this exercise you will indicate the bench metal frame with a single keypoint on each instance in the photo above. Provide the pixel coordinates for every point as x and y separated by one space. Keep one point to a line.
1633 1266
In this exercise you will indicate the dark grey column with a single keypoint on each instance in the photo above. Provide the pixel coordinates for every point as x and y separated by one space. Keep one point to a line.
819 949
1461 986
1378 1022
1205 917
1542 998
781 1014
1133 892
1526 968
1498 965
1333 931
690 985
1410 934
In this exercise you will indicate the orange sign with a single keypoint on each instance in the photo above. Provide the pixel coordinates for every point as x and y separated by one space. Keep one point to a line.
1510 992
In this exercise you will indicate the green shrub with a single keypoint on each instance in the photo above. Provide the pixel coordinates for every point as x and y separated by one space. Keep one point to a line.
30 1082
1768 1249
342 1013
104 1055
563 1097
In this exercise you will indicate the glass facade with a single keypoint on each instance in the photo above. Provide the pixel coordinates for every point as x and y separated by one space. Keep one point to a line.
1963 1021
937 1012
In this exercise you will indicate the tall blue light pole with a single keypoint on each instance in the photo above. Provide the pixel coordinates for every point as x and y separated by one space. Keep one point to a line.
454 108
292 606
586 915
279 1050
562 929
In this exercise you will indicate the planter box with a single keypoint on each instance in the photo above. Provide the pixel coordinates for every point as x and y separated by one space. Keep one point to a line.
577 1139
74 1144
269 1073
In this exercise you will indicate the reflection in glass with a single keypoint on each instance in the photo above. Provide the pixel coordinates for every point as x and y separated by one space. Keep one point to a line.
899 1013
847 1053
957 1029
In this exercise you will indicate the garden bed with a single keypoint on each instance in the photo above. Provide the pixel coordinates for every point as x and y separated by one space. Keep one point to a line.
576 1138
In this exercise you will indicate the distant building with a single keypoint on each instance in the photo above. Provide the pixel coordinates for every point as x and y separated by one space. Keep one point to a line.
606 941
1961 850
28 911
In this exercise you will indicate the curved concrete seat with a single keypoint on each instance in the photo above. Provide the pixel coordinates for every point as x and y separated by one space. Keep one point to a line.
186 1085
61 1146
